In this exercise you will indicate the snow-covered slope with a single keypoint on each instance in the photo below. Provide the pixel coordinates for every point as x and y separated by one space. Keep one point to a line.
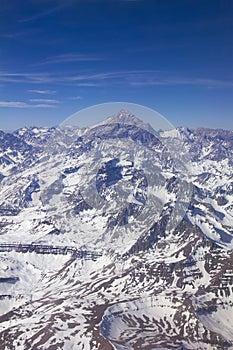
116 237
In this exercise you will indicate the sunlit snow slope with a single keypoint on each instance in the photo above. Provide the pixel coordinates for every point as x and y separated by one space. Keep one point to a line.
116 237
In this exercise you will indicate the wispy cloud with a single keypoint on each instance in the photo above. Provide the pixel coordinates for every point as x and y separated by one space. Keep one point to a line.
76 98
134 78
12 35
55 6
43 92
25 77
88 84
17 104
70 57
39 15
20 34
43 100
146 78
213 83
13 104
209 83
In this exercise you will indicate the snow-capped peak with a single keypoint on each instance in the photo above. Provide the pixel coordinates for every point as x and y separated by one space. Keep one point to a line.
126 117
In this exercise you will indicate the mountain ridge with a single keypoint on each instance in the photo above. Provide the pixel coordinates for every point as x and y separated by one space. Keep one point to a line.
158 281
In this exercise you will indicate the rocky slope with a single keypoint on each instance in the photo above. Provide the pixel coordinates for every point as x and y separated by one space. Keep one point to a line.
116 237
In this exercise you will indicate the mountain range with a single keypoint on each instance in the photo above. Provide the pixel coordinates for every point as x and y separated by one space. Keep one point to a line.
116 236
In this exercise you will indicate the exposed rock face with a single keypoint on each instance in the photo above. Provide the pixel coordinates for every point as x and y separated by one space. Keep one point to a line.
87 262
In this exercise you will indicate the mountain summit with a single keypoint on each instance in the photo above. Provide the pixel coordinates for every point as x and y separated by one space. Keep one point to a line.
125 117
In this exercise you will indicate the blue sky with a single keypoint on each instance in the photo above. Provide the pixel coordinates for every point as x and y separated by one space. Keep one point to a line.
57 57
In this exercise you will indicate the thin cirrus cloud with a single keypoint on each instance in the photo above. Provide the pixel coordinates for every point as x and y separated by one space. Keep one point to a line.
24 77
147 78
89 84
58 6
70 57
76 98
21 34
43 100
39 15
17 104
209 83
13 35
43 92
134 78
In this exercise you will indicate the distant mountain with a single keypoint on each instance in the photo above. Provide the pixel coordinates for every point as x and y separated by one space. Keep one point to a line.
116 237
